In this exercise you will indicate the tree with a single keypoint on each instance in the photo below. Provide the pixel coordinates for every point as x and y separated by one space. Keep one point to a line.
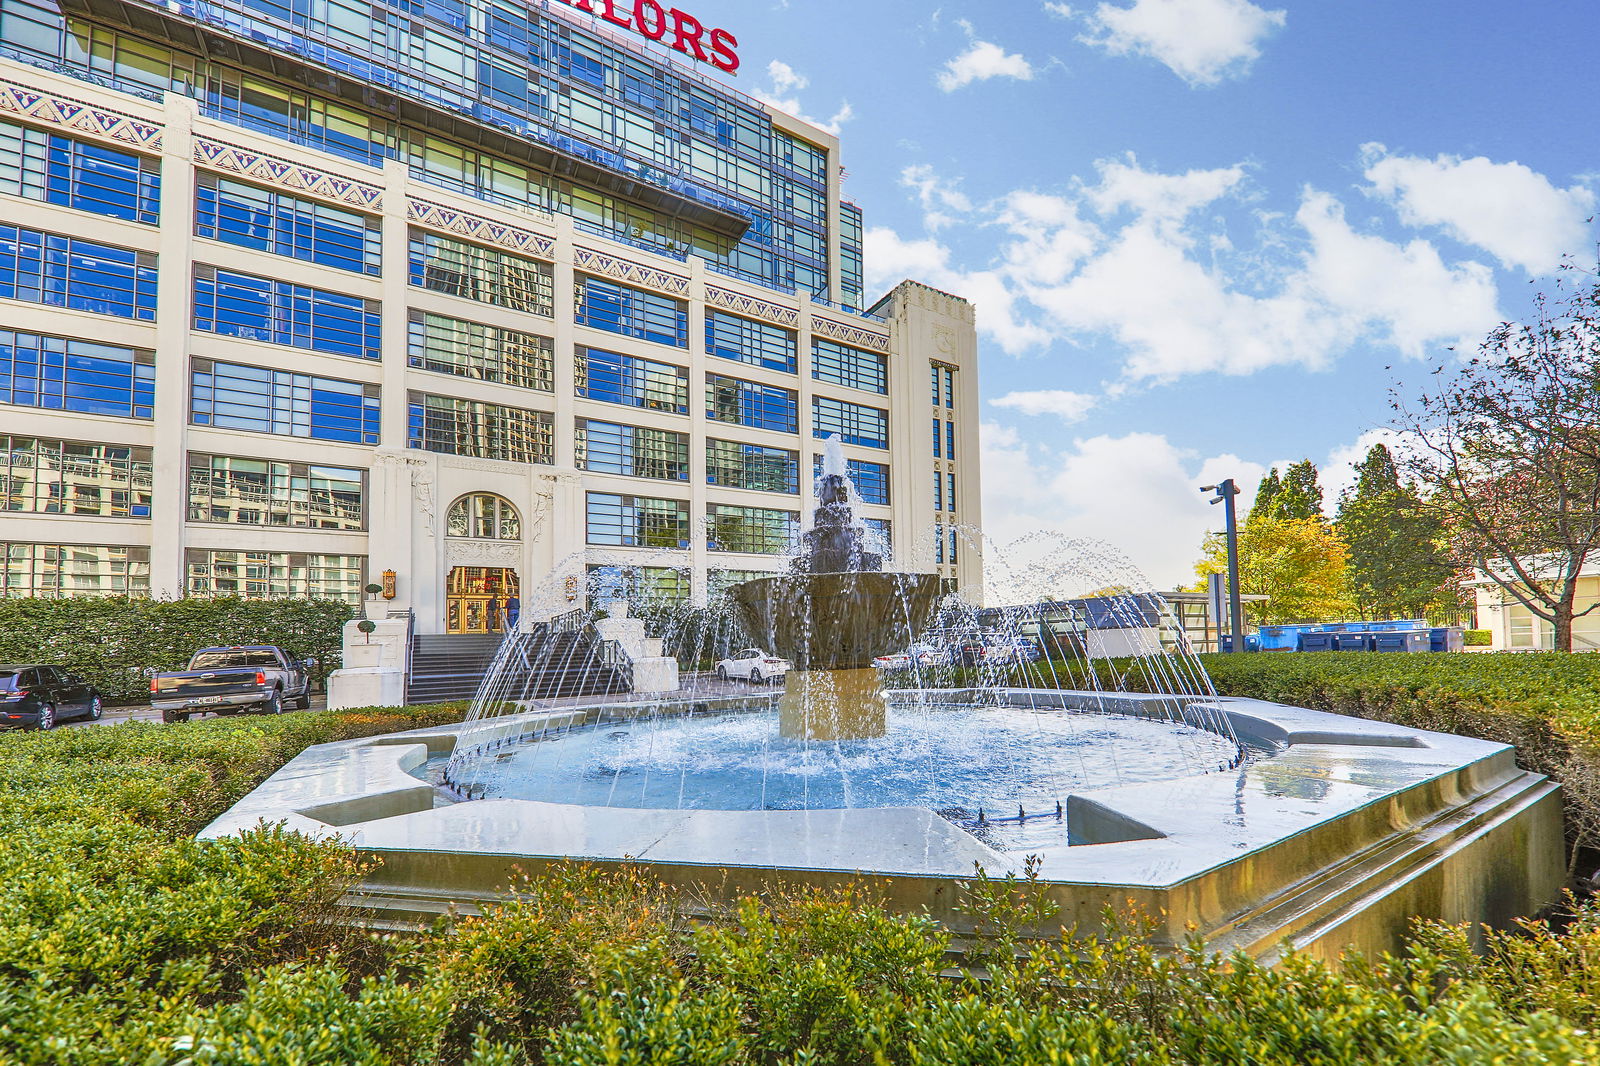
1266 492
1507 453
1399 563
1297 563
1300 496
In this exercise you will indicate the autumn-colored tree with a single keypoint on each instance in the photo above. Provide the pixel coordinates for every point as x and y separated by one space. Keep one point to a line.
1399 564
1507 454
1298 563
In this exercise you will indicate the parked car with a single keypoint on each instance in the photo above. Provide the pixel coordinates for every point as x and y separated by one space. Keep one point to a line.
920 654
1020 650
39 696
250 677
754 665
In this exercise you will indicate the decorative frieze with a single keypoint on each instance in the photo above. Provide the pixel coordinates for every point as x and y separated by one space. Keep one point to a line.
79 117
478 228
270 170
612 266
740 304
848 334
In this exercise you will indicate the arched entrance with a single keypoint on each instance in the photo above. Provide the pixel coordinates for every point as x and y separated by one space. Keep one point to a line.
481 529
476 598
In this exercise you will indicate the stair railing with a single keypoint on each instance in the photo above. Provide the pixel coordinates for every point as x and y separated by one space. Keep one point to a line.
411 624
616 657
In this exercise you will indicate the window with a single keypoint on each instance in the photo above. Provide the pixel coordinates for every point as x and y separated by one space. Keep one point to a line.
631 312
756 530
631 381
880 537
638 584
482 430
52 571
483 274
253 217
744 403
483 516
751 466
260 309
852 423
933 370
720 581
485 353
948 376
607 448
949 440
275 575
89 177
265 492
62 374
843 365
637 521
938 447
950 496
42 476
45 268
235 396
748 341
871 480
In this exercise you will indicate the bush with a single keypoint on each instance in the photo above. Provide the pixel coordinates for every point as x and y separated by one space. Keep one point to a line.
110 640
1477 638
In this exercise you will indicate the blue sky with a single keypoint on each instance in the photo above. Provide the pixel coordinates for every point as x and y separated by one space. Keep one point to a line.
1204 236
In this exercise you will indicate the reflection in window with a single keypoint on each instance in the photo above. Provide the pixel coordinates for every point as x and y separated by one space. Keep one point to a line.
62 374
264 492
870 479
631 381
637 584
637 521
852 423
482 430
260 309
605 447
631 312
745 403
487 275
484 516
235 396
42 476
757 530
272 221
275 575
486 353
752 466
55 570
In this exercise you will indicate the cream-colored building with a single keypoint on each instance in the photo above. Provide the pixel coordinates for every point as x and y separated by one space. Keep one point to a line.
306 371
1513 627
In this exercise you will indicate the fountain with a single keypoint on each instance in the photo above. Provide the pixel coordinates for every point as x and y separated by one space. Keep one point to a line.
1250 822
831 616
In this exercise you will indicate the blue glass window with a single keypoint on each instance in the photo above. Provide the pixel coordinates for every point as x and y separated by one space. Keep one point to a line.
752 466
949 440
631 381
78 174
844 365
938 448
631 312
260 309
252 217
637 521
45 268
234 396
61 374
749 341
938 491
745 403
880 537
870 479
850 422
637 451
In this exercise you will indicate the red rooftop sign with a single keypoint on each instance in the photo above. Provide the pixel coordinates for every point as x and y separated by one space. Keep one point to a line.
677 30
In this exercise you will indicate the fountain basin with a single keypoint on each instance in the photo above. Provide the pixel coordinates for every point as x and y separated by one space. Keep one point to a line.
1337 840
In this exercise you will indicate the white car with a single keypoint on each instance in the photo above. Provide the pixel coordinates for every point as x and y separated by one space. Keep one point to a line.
754 665
921 654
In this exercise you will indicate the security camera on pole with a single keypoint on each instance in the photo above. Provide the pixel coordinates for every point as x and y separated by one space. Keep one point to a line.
1225 492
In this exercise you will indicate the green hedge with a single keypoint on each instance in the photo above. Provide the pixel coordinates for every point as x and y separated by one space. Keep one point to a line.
124 941
110 640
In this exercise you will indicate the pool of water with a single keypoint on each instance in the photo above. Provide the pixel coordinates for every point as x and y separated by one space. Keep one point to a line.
954 759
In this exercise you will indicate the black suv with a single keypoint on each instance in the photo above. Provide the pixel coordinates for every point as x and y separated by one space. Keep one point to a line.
40 696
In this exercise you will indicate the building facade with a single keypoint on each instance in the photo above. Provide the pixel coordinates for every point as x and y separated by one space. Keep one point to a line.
493 296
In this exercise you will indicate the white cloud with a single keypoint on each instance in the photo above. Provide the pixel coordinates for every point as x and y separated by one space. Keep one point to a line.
941 201
1137 492
783 95
1510 211
1201 41
1166 198
1067 406
982 61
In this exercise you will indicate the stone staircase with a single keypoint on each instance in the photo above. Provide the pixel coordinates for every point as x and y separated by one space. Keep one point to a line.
551 662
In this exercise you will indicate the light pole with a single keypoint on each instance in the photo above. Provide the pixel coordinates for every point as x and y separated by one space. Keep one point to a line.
1225 492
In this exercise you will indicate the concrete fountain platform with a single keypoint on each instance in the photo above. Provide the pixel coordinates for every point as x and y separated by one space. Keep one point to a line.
1353 828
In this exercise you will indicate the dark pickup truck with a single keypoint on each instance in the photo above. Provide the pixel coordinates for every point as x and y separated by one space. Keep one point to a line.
252 677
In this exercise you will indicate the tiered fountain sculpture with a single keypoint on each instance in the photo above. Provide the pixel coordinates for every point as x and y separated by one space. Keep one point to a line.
830 616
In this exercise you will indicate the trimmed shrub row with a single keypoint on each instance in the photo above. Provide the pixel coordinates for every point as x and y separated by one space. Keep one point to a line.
109 641
123 940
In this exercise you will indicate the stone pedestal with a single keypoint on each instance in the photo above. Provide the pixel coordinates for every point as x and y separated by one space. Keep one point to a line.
655 673
374 673
832 705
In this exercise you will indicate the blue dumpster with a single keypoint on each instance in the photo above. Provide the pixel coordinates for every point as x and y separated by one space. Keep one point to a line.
1352 641
1446 638
1406 640
1316 641
1250 642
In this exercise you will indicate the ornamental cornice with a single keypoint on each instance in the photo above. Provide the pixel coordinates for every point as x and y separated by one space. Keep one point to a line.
847 334
740 304
614 266
67 113
478 228
461 551
270 170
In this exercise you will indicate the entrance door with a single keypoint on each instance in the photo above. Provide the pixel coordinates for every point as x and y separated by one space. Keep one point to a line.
475 598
